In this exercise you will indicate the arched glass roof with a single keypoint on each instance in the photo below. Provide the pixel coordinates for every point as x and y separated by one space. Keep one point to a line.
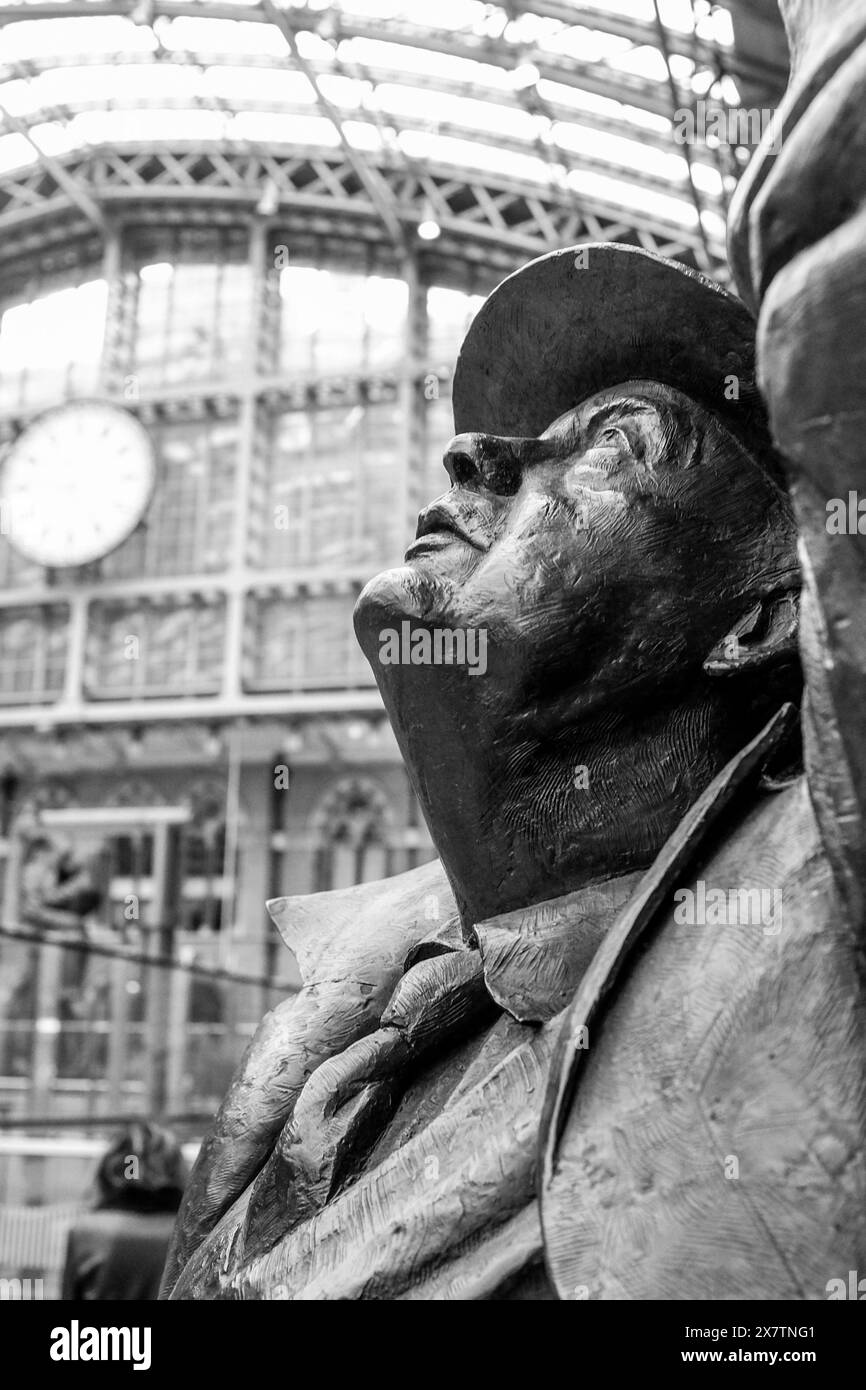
574 101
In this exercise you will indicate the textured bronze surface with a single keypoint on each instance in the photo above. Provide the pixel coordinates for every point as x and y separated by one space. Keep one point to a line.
586 318
608 563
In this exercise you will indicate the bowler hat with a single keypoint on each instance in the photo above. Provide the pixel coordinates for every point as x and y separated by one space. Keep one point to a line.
581 320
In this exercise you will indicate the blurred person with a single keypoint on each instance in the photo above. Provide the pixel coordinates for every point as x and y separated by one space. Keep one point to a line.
57 889
58 893
117 1250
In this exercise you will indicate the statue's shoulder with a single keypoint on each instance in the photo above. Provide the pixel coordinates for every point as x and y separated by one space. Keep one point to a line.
701 1105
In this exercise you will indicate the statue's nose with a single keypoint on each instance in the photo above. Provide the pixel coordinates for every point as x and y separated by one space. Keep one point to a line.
484 461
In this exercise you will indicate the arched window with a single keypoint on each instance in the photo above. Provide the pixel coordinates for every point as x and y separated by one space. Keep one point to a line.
352 828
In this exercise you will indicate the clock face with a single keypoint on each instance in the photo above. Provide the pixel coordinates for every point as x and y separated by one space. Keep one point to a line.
76 483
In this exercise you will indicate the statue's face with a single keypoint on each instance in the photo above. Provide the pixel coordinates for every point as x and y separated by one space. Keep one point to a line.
603 558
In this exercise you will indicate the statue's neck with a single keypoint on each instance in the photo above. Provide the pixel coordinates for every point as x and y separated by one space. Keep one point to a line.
519 820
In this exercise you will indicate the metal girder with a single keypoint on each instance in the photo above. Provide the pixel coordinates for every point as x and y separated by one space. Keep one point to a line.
628 174
369 176
473 209
53 167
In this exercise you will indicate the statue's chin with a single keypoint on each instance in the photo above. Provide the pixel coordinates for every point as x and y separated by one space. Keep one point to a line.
395 594
383 601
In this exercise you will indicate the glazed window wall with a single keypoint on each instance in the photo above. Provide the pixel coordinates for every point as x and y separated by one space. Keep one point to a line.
328 492
188 526
154 649
449 314
104 1034
125 864
334 475
335 322
192 322
32 653
440 432
304 643
51 345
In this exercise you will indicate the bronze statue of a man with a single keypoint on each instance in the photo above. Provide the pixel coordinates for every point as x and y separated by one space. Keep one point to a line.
611 1046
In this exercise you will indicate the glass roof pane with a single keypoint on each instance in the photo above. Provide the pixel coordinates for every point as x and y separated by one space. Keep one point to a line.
381 53
498 119
88 34
15 152
201 35
447 149
603 106
585 45
263 127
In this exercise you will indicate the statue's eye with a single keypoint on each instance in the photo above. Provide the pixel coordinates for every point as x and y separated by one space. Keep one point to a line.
612 438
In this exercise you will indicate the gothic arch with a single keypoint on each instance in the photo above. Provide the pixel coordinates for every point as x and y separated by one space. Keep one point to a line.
352 828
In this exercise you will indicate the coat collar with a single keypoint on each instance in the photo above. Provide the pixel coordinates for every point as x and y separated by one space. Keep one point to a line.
533 957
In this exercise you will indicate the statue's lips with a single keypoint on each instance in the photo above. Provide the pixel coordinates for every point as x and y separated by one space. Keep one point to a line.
438 526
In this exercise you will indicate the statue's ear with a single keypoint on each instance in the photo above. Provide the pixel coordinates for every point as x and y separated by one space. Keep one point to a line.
765 636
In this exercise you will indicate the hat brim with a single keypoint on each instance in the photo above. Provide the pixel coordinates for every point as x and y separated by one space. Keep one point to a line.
584 319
